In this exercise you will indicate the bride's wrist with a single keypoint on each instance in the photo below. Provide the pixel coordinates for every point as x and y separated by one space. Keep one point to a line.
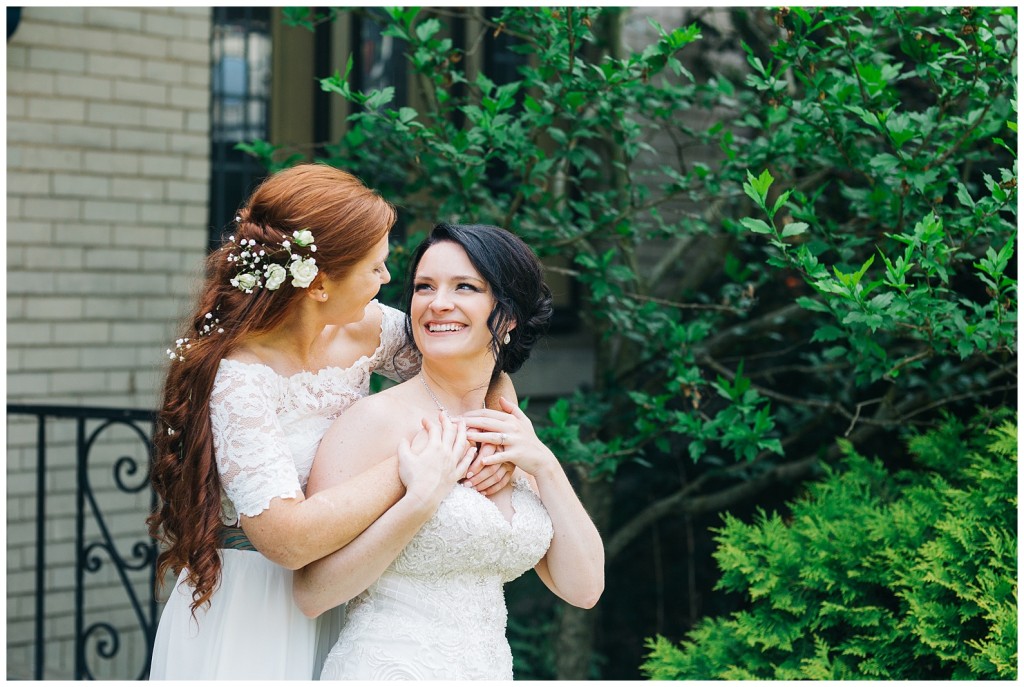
549 468
420 501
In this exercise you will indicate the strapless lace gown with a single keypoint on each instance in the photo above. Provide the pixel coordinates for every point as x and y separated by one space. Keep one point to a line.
438 612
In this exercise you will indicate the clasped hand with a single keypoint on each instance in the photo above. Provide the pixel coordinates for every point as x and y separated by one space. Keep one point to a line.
481 450
440 455
507 438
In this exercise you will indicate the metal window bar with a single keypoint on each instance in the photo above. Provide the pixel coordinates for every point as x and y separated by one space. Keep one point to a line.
90 555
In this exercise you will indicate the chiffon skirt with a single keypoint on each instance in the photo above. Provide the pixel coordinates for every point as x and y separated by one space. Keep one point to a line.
252 629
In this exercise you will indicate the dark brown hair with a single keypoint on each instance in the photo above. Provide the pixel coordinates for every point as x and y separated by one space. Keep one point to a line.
516 279
346 219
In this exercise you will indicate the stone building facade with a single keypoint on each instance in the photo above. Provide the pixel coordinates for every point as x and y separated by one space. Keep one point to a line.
107 184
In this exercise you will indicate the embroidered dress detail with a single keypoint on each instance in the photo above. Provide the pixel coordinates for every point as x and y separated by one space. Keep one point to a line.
267 428
438 612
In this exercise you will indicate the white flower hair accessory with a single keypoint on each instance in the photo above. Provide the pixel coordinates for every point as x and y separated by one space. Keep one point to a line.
275 276
257 272
303 271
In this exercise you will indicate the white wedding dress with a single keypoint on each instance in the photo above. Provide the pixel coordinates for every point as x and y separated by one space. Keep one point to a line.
438 611
266 431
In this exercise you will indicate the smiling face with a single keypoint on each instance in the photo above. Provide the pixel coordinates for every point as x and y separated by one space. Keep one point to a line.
450 305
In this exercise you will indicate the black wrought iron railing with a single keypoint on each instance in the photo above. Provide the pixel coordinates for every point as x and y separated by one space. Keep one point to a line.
125 558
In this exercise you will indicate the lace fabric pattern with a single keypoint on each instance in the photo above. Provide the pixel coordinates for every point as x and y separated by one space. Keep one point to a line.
398 358
267 428
438 611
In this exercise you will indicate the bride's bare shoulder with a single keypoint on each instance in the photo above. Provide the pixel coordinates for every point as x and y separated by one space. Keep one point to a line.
388 409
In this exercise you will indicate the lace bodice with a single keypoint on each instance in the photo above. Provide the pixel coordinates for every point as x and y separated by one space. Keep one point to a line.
267 428
438 612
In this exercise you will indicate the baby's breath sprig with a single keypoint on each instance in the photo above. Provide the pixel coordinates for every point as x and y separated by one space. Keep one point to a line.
178 353
211 325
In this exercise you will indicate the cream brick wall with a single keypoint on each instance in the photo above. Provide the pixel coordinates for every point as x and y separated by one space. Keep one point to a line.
107 177
107 183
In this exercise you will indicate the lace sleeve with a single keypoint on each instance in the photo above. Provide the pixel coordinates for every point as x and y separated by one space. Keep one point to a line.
253 460
398 358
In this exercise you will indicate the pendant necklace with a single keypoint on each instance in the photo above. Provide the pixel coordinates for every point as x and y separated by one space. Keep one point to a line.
437 402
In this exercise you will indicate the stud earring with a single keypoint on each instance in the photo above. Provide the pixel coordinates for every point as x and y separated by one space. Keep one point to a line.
508 338
323 296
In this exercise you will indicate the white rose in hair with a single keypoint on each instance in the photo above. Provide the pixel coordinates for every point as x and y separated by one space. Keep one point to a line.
245 281
303 237
276 274
303 272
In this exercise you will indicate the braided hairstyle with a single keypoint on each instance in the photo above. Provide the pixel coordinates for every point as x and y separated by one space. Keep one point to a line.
346 219
516 279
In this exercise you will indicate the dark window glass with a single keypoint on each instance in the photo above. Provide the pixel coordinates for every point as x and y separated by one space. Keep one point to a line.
239 107
378 60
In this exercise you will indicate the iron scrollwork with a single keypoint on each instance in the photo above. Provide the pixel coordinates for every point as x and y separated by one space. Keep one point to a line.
98 549
93 554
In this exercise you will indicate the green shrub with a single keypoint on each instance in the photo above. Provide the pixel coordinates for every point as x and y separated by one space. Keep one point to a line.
875 575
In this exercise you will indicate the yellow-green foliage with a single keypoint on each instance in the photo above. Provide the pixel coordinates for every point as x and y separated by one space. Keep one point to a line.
906 576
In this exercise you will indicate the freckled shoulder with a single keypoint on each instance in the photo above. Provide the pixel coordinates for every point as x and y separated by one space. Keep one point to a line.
368 432
374 322
394 403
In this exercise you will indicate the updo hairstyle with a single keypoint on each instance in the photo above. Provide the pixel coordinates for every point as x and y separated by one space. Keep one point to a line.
516 280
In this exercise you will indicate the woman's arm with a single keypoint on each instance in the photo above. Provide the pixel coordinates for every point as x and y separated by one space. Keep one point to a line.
344 495
502 387
296 531
573 567
437 459
258 475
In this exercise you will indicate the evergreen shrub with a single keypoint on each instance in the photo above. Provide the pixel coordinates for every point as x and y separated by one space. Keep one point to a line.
875 575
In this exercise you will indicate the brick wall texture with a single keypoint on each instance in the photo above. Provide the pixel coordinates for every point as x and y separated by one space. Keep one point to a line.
107 185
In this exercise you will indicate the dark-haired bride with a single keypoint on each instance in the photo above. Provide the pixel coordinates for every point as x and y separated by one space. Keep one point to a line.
426 593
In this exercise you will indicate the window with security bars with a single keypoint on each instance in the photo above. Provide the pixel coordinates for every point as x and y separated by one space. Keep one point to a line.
239 107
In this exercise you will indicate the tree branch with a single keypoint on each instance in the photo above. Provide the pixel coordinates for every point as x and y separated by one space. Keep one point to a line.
743 330
685 502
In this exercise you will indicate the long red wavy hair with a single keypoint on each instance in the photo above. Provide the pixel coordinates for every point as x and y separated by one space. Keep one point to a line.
347 219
